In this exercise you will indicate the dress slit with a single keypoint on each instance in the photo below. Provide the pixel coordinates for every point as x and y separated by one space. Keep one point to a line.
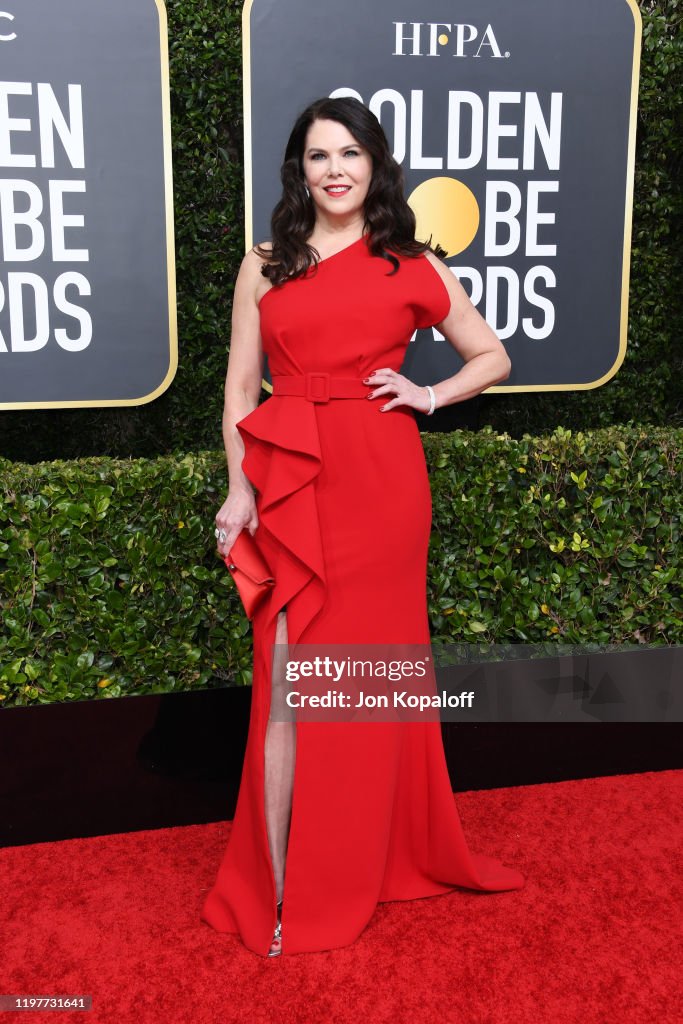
294 773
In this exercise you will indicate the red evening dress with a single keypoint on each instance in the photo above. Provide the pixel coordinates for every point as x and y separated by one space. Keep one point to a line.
344 507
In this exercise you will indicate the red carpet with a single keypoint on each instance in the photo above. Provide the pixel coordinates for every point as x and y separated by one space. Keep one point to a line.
595 937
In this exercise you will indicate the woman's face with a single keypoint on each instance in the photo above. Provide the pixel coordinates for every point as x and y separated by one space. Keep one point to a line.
337 169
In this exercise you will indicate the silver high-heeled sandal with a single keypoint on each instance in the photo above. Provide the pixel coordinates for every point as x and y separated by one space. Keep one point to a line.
276 942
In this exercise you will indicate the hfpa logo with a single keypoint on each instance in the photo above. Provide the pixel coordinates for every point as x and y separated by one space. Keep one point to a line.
428 39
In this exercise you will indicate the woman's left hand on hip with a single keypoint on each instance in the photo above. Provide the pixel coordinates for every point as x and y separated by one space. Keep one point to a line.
402 390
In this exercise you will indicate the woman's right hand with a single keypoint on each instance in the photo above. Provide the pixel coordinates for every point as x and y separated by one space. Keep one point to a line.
237 512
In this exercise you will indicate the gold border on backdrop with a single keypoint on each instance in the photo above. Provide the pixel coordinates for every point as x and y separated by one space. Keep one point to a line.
628 208
170 249
246 117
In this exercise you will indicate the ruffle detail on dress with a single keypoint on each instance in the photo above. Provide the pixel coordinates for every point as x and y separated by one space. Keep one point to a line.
282 460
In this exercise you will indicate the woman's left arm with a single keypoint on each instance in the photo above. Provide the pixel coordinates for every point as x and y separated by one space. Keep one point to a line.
486 360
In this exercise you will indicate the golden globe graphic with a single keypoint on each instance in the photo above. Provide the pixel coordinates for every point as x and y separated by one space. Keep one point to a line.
516 138
447 211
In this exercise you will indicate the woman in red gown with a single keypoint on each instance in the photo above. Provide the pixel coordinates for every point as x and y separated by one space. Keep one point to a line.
329 476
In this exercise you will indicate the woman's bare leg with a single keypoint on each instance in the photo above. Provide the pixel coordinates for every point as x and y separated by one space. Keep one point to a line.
279 764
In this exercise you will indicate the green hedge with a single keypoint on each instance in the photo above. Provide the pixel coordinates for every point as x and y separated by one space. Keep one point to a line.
206 110
110 583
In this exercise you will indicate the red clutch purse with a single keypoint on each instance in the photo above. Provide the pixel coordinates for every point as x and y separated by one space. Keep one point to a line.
250 571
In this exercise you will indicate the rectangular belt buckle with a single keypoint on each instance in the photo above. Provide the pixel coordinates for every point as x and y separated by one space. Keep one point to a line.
318 386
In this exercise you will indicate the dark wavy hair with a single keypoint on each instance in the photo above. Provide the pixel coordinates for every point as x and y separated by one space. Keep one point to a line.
389 220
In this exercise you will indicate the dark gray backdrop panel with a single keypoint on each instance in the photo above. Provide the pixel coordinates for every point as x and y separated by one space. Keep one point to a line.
113 51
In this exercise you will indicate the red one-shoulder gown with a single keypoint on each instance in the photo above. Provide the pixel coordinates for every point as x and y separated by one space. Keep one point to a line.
345 511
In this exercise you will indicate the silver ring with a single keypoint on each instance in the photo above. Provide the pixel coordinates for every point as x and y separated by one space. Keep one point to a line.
221 534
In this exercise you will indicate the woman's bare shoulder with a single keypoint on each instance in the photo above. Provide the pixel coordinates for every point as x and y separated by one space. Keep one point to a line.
253 260
251 270
263 251
252 264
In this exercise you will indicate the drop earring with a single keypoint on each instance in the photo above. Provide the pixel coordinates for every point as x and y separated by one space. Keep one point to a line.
308 194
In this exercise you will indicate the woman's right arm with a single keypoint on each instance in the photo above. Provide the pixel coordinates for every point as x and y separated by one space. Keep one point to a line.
242 390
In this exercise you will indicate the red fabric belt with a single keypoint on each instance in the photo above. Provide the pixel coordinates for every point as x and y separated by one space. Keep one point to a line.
319 387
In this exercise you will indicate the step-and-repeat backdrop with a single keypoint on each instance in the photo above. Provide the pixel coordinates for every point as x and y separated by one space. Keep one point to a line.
514 124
